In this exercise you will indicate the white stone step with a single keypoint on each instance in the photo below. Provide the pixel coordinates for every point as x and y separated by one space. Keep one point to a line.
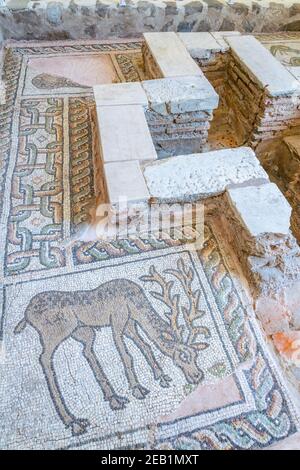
180 95
202 175
200 45
171 55
124 134
261 209
262 66
125 180
117 94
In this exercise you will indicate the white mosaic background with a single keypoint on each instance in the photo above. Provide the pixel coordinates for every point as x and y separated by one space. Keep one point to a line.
24 388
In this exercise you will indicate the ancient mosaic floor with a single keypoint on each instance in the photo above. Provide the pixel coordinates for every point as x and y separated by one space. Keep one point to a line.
286 48
113 345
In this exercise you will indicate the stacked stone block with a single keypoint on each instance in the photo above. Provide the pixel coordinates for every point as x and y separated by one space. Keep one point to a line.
215 69
184 133
263 95
243 99
212 63
210 52
259 217
279 114
181 103
179 113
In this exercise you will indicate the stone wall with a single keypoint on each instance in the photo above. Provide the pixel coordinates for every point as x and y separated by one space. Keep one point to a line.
72 19
259 219
181 102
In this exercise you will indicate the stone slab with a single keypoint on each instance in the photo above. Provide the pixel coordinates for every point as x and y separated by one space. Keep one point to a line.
125 180
202 175
124 134
261 209
262 66
200 45
180 94
171 55
120 94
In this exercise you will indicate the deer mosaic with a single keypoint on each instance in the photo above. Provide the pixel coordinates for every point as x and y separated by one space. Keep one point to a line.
122 305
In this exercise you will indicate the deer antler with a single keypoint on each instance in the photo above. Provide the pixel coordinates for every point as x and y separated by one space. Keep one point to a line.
186 276
190 314
165 296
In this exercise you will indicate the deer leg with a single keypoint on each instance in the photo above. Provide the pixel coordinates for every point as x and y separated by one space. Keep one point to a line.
138 391
132 333
78 426
87 337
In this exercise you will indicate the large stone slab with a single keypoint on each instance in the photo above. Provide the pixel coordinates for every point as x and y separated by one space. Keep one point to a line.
199 176
180 94
125 180
124 134
261 209
170 54
200 45
262 66
120 94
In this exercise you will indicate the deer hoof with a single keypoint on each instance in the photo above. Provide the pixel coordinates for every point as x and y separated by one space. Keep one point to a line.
140 392
118 403
79 426
164 381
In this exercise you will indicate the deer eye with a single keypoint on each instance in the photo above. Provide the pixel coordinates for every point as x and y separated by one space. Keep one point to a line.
184 357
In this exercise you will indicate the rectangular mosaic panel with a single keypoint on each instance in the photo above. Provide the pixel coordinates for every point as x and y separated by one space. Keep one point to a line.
120 355
155 334
35 226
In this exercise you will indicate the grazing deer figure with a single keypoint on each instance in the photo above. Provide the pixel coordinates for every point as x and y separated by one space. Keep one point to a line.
120 304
